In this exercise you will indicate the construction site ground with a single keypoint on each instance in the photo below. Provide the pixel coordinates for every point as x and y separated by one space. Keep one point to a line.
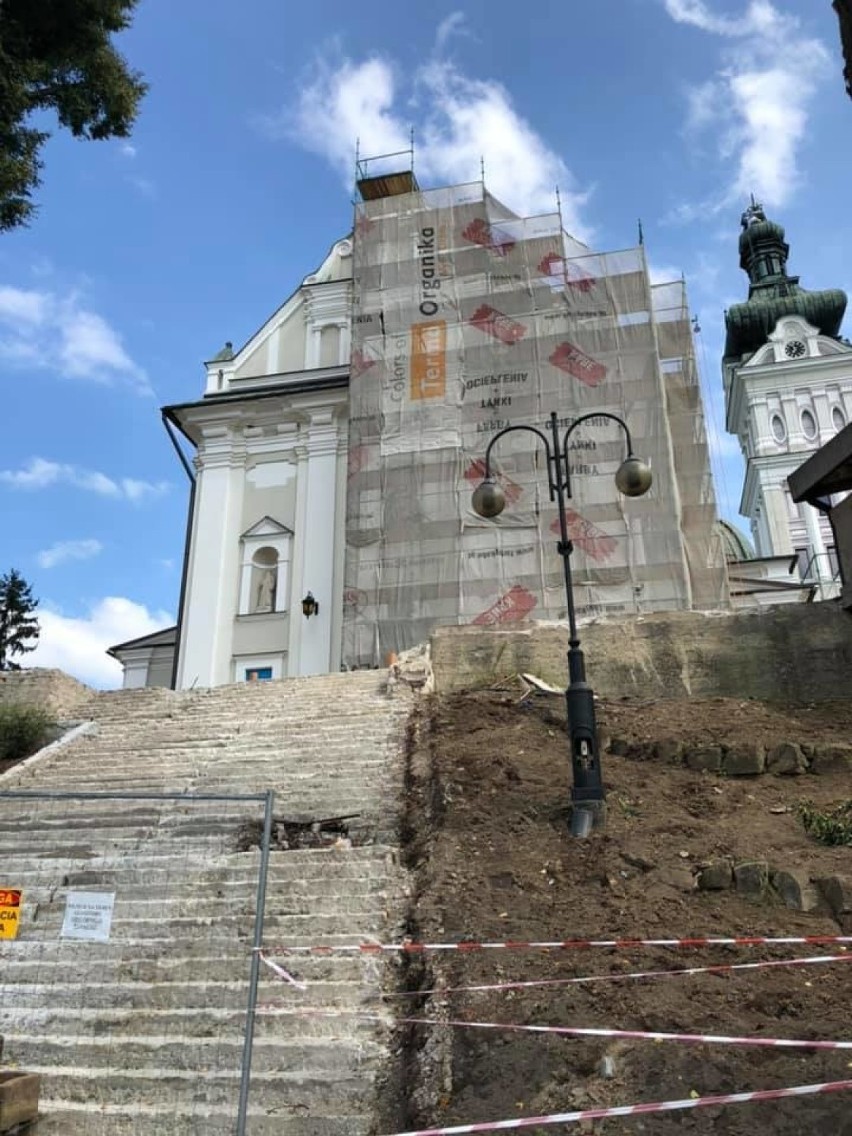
488 842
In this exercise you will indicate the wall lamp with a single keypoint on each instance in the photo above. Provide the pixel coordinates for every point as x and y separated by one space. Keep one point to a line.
309 606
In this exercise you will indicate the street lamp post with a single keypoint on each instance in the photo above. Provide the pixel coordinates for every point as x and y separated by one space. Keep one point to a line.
632 478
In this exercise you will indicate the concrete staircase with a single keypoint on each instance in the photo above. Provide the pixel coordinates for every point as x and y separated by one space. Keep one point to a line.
144 1034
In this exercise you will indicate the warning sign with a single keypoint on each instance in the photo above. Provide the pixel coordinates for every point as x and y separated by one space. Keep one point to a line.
10 912
88 915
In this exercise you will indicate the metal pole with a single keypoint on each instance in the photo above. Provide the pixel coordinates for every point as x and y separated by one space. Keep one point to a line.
254 975
587 792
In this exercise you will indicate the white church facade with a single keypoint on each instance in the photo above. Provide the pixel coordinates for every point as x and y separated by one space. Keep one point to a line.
268 506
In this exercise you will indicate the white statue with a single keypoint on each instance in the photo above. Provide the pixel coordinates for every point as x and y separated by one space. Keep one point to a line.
266 592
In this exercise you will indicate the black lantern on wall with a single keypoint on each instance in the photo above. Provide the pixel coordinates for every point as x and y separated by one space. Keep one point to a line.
309 606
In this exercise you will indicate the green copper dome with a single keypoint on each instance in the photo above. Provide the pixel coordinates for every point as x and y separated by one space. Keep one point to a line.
772 293
737 546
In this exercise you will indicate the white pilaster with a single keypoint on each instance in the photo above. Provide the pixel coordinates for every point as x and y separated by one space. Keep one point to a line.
777 522
345 341
294 645
819 568
313 346
318 543
213 584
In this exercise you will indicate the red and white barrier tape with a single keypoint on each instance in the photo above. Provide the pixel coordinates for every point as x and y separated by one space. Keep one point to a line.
585 1031
722 968
636 1109
408 947
281 972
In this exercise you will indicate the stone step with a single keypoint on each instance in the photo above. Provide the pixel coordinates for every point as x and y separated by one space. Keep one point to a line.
287 1092
159 876
82 860
63 1118
330 1057
301 801
337 760
231 892
279 1019
360 744
99 1000
298 927
320 859
44 964
233 716
188 909
327 789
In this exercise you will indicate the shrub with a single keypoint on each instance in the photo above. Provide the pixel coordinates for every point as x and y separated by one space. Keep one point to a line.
829 826
23 730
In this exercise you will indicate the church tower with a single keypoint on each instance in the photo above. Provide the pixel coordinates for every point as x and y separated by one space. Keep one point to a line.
788 390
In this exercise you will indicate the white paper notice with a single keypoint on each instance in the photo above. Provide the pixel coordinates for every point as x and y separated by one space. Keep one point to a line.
88 915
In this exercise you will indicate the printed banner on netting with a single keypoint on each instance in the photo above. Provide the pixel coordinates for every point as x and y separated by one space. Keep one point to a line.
467 319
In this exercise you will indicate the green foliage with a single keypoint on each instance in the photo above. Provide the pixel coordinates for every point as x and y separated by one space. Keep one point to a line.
23 730
19 630
829 826
57 55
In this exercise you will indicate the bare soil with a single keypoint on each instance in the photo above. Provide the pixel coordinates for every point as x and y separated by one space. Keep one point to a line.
488 842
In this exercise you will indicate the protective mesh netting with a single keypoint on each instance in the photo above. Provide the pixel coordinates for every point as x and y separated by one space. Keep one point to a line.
467 319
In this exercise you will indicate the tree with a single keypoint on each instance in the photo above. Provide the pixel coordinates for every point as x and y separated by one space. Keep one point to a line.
57 55
19 630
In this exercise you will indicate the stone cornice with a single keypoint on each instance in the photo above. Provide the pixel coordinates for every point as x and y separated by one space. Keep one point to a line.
780 378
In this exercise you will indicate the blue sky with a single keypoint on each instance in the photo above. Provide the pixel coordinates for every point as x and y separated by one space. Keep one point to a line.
147 254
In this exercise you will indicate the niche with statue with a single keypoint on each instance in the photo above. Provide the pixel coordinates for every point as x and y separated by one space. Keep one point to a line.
265 568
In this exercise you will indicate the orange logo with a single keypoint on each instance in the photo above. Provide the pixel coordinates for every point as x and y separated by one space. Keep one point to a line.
428 360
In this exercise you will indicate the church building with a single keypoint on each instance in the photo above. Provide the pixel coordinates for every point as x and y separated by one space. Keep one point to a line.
788 390
334 454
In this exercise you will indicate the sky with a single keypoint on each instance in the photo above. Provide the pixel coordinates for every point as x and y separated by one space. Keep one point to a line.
148 253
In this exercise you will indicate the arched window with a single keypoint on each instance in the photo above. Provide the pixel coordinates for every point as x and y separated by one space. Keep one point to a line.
809 426
779 429
838 418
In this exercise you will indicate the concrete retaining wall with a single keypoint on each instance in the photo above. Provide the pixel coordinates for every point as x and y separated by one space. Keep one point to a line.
800 653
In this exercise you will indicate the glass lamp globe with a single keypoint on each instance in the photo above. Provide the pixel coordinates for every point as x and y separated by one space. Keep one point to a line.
633 477
488 499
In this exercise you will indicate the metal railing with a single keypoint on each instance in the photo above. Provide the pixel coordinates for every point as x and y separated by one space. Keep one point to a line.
43 875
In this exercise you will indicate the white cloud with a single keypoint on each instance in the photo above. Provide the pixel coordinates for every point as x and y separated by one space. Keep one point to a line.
455 24
61 334
77 645
39 473
22 305
757 102
65 550
459 122
144 185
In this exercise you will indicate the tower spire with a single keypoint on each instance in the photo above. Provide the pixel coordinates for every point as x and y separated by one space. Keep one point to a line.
772 292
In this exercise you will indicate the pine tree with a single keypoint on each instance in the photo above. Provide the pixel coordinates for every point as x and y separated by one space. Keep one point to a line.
58 56
19 629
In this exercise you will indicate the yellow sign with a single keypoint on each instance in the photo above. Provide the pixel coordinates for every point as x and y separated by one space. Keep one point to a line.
10 912
428 360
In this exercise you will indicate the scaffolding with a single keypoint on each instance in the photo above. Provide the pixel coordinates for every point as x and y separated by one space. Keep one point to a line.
467 318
